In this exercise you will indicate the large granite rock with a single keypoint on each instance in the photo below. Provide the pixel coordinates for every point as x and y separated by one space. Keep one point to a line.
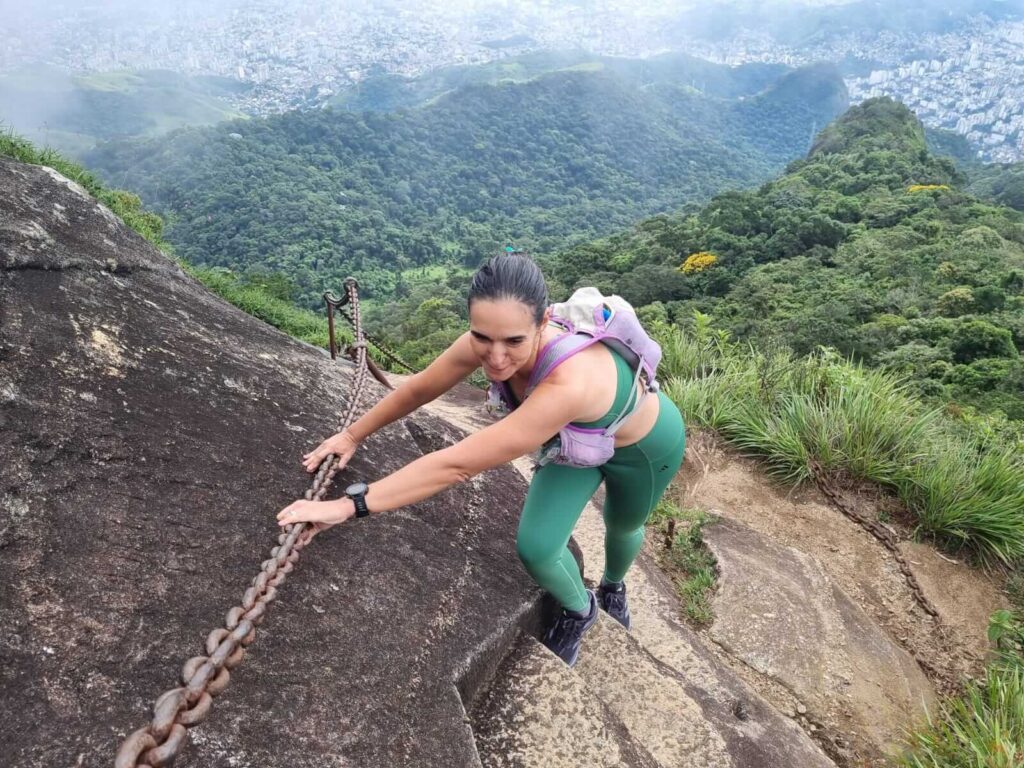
777 609
148 434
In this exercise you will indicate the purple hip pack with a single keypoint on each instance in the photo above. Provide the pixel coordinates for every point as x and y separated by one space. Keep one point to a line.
613 323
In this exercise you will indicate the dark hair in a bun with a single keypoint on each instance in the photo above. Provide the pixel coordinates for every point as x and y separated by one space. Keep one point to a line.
511 276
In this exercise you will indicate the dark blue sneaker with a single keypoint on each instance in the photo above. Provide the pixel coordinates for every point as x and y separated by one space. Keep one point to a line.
613 602
563 638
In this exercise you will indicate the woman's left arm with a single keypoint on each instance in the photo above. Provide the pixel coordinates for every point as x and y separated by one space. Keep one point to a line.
548 408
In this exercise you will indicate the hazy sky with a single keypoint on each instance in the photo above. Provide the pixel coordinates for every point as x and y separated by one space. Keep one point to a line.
50 9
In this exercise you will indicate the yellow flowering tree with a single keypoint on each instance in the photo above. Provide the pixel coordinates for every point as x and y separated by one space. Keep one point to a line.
697 262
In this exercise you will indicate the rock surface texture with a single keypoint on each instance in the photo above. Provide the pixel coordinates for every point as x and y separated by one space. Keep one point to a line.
149 432
815 613
778 610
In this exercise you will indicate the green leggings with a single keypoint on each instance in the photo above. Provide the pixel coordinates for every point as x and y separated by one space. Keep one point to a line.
635 478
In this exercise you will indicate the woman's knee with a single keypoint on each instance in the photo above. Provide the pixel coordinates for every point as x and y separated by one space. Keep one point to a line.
624 534
537 551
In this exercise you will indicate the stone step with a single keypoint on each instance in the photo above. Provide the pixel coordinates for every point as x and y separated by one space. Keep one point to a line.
621 706
617 707
541 712
649 699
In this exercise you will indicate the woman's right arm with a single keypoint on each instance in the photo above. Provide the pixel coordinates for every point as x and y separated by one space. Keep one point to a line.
451 366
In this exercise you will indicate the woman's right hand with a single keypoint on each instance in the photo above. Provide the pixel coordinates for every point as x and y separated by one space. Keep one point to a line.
342 444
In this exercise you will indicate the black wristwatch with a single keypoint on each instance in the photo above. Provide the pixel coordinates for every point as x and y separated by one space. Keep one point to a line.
357 492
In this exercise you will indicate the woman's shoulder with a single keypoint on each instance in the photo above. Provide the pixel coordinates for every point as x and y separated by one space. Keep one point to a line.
593 360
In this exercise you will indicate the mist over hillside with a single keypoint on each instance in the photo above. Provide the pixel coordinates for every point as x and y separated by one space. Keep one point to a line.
73 112
934 55
387 92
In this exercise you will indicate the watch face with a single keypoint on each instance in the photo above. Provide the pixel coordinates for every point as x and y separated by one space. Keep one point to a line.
356 488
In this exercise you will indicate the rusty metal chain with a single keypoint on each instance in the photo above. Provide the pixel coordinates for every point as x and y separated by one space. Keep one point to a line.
383 348
376 372
203 677
878 530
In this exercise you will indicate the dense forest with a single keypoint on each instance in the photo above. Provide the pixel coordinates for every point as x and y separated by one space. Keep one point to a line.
870 245
559 159
1001 183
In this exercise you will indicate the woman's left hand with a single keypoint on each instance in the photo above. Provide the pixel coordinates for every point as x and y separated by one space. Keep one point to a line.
320 514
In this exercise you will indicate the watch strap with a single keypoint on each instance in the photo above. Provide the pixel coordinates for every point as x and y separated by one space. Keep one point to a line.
360 501
358 498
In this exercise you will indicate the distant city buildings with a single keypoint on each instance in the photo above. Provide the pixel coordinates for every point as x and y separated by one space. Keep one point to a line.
299 54
970 81
296 54
976 88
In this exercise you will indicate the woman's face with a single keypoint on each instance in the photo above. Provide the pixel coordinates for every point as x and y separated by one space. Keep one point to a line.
504 335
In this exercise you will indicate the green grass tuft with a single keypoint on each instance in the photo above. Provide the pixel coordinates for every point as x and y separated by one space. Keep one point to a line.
688 562
124 204
303 324
983 729
965 485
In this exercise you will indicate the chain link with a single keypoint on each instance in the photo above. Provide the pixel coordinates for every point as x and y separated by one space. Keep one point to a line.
383 348
376 372
204 677
876 529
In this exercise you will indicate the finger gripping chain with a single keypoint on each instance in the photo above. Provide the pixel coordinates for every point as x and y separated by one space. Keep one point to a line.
203 677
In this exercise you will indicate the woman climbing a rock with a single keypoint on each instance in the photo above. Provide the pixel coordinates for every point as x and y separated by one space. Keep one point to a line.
583 404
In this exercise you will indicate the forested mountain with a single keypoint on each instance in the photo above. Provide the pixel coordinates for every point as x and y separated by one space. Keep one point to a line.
1002 183
870 244
389 92
545 163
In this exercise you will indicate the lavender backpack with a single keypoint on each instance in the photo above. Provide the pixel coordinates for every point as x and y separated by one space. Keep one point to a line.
588 318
